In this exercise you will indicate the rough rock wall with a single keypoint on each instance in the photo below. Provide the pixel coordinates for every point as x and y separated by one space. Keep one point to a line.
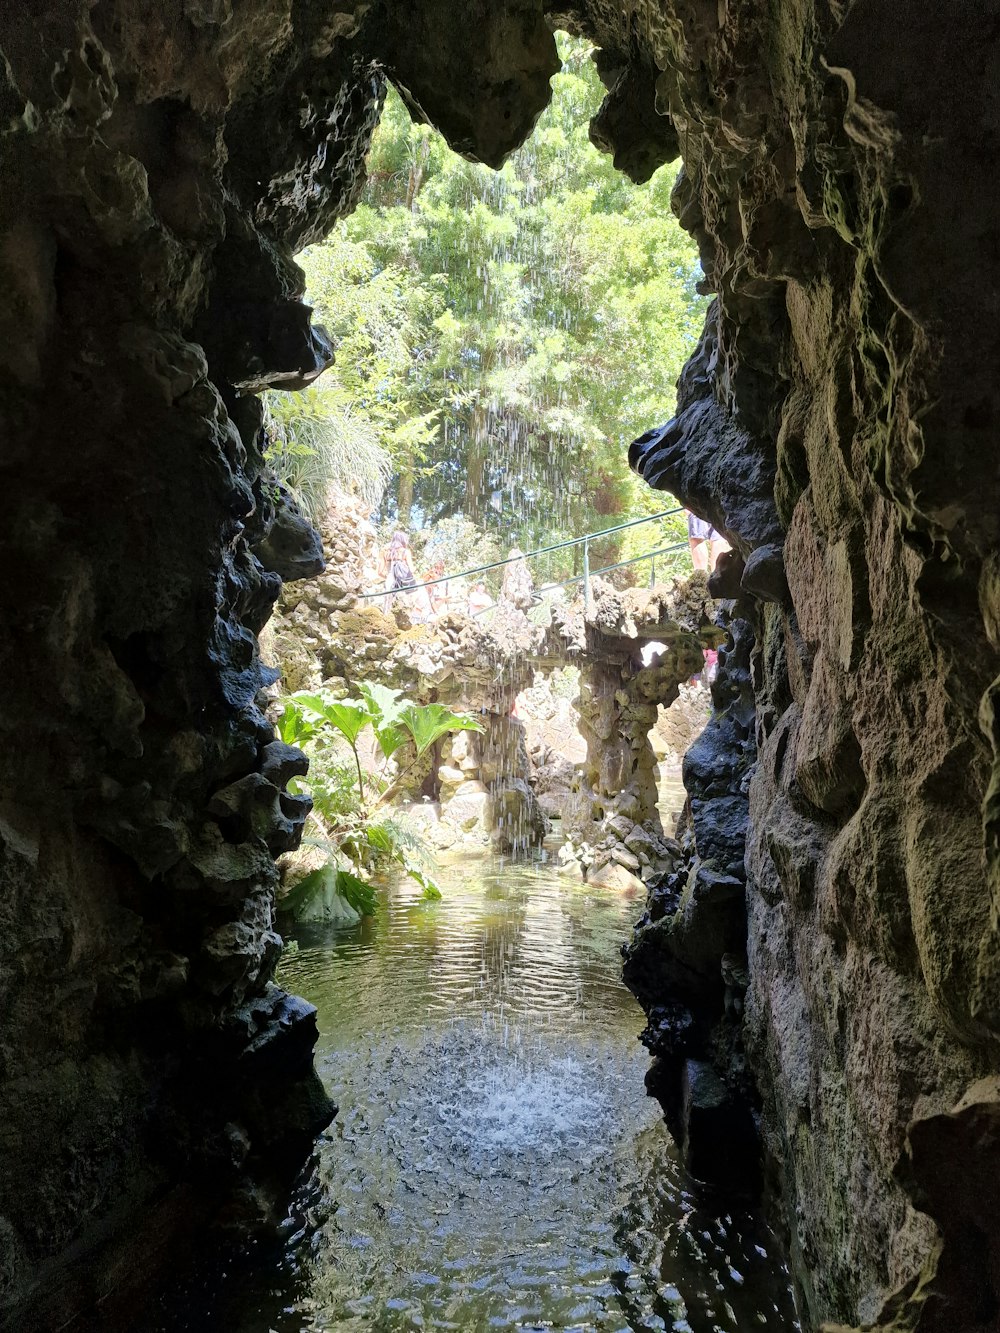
686 962
145 260
620 693
325 635
836 424
160 165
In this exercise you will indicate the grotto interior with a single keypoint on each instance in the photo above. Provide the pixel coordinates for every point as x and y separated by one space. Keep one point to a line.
161 165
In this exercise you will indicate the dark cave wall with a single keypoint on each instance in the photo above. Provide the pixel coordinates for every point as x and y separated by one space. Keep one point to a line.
160 166
837 423
142 797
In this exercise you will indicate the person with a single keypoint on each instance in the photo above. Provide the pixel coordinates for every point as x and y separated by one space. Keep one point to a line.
438 594
518 587
705 543
479 599
396 565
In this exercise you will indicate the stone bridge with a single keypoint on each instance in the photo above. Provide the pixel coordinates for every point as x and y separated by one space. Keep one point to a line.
328 637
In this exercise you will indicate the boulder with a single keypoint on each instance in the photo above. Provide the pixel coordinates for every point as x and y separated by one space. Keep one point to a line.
450 780
621 856
616 877
553 803
469 809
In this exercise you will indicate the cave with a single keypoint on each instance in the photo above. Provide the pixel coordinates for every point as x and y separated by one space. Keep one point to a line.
161 167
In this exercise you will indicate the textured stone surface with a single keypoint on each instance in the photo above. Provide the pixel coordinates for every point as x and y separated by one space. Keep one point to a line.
145 253
327 636
620 697
834 424
686 962
160 166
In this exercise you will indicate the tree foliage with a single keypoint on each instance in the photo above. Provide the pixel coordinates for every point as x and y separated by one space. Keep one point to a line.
505 334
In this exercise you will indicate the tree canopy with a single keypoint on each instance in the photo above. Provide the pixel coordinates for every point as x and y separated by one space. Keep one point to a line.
504 335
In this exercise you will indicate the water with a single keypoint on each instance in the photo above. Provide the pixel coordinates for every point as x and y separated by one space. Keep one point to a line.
495 1163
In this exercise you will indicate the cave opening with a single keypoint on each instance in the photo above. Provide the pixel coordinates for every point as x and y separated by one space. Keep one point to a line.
832 948
485 327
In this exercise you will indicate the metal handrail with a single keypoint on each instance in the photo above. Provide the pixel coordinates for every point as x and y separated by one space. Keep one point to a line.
594 573
606 569
546 550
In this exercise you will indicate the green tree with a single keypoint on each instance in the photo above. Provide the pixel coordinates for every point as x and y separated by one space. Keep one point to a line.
505 334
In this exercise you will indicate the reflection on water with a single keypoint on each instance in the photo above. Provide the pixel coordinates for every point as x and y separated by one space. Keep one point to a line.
495 1162
671 799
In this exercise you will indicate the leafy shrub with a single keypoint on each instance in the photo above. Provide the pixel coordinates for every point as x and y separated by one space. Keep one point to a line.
345 799
318 440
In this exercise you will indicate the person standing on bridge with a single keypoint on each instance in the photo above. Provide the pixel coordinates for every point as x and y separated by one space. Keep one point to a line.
396 565
438 594
705 543
479 599
518 587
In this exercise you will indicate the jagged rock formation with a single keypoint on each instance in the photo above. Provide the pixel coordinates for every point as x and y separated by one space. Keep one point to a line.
327 636
620 693
686 962
161 164
680 725
833 424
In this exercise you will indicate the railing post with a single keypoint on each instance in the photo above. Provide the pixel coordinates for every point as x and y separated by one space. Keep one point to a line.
652 571
587 605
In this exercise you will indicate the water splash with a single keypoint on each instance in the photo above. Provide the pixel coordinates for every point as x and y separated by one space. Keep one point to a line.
495 1163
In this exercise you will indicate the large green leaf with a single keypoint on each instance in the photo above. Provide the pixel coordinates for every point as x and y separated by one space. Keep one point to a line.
387 708
432 892
384 704
313 883
427 723
306 702
390 737
360 895
380 838
349 716
294 726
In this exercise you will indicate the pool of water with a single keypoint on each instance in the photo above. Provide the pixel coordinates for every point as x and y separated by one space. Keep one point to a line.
495 1163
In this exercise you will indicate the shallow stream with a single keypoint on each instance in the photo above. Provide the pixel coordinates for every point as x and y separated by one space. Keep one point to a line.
495 1163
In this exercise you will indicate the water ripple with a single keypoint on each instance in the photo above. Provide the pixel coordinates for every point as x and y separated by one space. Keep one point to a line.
495 1163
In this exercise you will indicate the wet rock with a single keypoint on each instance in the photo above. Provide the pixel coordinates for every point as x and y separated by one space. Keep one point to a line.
620 696
485 96
623 857
518 818
854 1020
291 548
616 877
629 126
764 574
683 963
718 1135
449 780
725 580
469 808
279 762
